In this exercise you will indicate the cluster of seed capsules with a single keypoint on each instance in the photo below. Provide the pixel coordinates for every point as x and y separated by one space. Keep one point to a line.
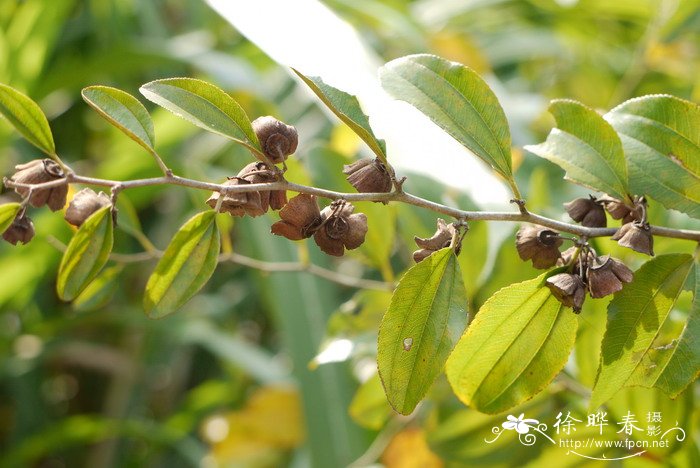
587 272
335 229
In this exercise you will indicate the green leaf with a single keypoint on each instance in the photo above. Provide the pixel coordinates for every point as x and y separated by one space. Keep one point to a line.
98 293
124 111
348 109
8 212
27 117
520 339
369 407
204 105
635 317
87 253
428 312
586 147
458 100
186 265
662 143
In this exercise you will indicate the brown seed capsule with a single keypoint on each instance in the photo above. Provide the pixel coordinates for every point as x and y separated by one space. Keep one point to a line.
368 176
259 173
21 230
636 236
587 211
569 289
84 204
39 171
340 228
539 245
277 139
619 210
238 203
442 238
568 254
300 218
606 275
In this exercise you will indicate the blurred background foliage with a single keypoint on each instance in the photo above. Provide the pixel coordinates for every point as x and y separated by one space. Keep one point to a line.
244 374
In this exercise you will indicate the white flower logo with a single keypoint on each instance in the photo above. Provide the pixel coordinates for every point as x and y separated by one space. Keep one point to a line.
522 426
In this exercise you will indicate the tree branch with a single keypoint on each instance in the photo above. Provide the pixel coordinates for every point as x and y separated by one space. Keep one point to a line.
395 196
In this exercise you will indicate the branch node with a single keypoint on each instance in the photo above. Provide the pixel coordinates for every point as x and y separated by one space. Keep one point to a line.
521 205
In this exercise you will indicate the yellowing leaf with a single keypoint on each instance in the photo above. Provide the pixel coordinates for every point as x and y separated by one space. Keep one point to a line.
409 449
270 422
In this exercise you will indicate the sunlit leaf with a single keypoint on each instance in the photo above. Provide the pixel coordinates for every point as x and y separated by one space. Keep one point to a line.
586 147
520 339
8 212
409 449
458 100
662 144
27 117
428 313
186 266
635 317
124 111
204 105
348 109
86 254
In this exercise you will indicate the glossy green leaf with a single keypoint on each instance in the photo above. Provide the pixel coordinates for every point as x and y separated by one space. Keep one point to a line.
662 144
87 253
635 317
186 266
124 111
428 312
520 339
347 108
8 212
458 100
28 118
586 147
204 105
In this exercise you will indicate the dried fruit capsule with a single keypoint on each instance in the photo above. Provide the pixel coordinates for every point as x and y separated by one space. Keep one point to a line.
569 289
300 218
277 139
259 173
238 203
21 230
606 275
539 245
636 236
83 204
442 238
368 176
340 228
587 211
39 171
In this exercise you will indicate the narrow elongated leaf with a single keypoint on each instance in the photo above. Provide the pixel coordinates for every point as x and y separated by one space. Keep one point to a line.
28 118
520 339
586 147
124 111
662 144
204 105
186 266
98 293
456 99
348 109
428 312
8 212
635 317
87 253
